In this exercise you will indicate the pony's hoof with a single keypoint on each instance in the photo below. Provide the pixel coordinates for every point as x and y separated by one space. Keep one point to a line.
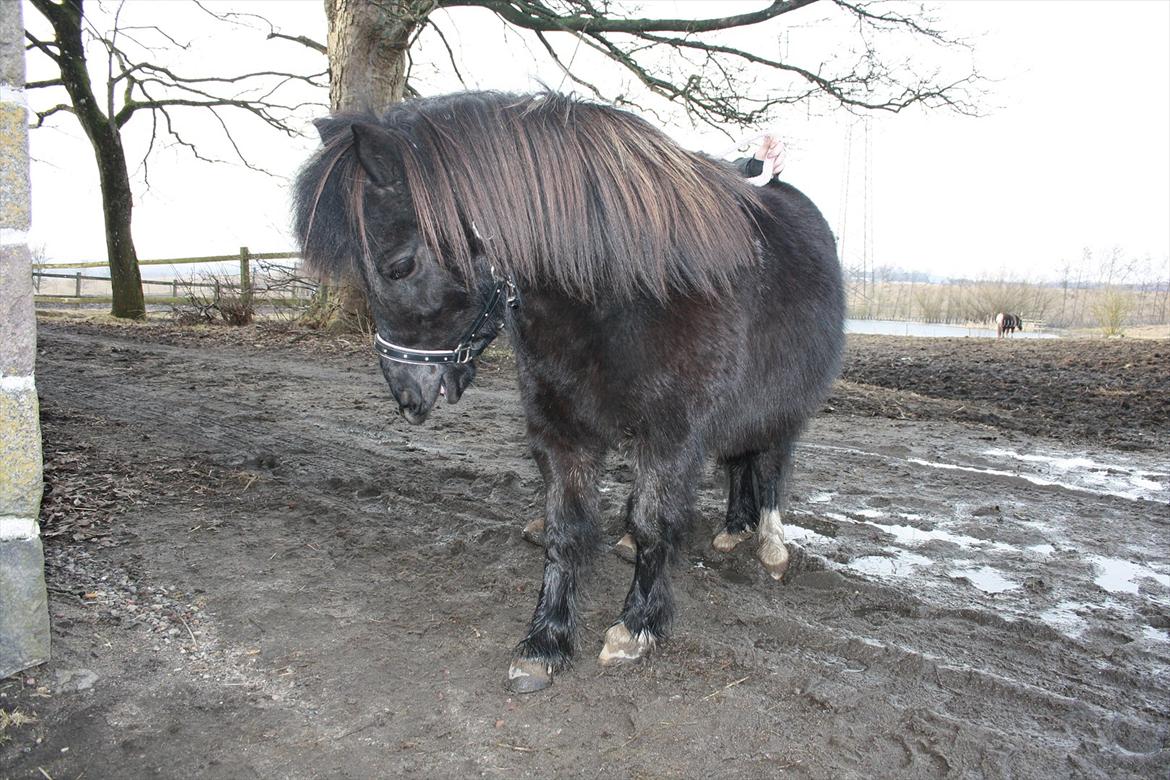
533 533
774 557
529 675
621 647
726 541
626 549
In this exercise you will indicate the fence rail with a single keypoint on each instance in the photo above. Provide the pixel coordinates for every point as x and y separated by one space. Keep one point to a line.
244 257
179 260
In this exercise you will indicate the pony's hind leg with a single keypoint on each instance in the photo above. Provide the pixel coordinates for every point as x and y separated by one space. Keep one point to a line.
771 470
742 509
660 509
571 507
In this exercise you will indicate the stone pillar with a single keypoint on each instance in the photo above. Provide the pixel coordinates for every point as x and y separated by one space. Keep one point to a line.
24 614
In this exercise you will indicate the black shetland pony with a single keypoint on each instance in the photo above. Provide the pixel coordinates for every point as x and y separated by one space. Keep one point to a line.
657 302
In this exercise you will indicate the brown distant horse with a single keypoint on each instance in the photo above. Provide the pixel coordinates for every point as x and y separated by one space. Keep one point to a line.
1007 323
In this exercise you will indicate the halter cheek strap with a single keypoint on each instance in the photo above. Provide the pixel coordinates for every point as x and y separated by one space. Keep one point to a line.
470 346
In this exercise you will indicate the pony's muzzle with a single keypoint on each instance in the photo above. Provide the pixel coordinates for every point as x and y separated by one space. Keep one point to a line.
455 380
417 389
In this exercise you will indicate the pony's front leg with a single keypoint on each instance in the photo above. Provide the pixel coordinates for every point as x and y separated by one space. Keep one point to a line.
660 511
571 538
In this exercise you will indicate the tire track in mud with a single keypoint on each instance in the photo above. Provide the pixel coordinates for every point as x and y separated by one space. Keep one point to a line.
843 675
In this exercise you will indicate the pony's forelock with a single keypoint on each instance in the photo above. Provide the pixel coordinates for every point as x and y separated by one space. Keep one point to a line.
550 189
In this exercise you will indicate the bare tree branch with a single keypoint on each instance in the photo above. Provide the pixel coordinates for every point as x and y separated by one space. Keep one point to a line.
537 16
244 19
567 69
450 54
301 39
51 50
922 25
43 84
716 84
43 115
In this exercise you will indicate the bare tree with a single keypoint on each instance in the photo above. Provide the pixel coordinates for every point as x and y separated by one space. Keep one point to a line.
138 84
689 62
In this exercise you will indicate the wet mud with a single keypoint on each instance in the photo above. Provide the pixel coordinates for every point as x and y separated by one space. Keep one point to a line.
257 569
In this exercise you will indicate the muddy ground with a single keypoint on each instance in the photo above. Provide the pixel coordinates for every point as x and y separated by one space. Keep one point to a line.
257 570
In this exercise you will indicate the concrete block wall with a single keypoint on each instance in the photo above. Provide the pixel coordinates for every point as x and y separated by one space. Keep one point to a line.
24 615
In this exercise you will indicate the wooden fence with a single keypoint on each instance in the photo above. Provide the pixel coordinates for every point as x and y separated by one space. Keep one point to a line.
245 257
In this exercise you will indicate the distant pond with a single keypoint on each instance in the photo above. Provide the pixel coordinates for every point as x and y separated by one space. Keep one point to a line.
900 328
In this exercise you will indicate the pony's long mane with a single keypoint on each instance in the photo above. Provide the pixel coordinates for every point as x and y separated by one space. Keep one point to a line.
550 189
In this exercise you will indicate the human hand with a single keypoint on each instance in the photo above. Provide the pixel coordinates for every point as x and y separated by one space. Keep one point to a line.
772 153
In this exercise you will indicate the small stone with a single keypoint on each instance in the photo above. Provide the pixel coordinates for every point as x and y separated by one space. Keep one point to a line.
75 679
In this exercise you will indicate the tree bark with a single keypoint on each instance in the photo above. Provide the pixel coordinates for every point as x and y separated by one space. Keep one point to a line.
105 137
368 44
367 51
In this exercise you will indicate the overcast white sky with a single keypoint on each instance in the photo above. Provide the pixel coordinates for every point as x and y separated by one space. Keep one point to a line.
1073 151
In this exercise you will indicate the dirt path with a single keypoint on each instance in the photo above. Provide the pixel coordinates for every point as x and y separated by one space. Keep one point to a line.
258 571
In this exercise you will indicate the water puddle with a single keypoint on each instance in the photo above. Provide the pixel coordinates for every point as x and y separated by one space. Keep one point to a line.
900 564
798 533
1117 575
1104 481
931 330
1064 618
1117 478
1155 634
986 579
910 535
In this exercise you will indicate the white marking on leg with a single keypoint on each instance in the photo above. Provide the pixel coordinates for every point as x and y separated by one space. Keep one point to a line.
622 647
533 533
627 549
725 542
528 675
516 671
772 553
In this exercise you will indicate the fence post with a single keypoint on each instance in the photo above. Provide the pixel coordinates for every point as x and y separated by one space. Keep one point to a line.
174 288
77 285
245 276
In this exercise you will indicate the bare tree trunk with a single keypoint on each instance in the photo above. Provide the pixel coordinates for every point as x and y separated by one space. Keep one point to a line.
368 44
367 51
103 132
117 205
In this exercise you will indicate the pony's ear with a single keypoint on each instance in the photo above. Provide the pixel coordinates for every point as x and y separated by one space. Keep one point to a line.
377 154
329 127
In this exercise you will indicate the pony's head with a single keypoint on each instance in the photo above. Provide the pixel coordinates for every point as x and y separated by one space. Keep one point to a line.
357 221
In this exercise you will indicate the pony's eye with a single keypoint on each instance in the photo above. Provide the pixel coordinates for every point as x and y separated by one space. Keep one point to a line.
398 269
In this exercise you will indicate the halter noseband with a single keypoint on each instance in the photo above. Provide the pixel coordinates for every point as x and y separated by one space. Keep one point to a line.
466 350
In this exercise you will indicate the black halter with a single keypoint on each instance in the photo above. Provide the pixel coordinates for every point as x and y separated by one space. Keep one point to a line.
470 346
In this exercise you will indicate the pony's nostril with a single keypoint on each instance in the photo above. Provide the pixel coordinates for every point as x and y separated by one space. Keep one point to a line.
407 400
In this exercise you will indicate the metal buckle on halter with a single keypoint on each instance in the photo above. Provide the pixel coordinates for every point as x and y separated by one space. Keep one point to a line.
463 353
